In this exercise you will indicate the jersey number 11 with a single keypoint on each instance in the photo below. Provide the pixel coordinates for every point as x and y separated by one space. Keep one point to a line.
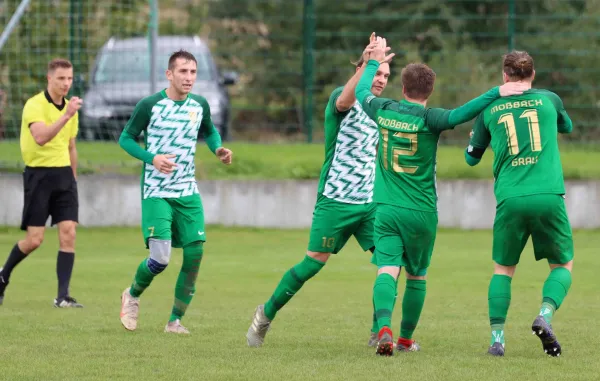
511 131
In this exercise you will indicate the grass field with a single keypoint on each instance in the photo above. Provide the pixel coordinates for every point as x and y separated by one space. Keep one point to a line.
290 161
321 334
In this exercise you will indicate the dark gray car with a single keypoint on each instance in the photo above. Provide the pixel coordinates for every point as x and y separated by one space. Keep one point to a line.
121 77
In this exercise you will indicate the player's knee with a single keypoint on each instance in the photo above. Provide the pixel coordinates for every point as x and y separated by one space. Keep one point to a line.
193 251
568 266
33 241
394 271
192 256
321 257
66 236
160 255
504 270
155 267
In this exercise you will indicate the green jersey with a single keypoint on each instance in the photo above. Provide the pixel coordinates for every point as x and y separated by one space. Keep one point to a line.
348 171
409 135
170 127
523 133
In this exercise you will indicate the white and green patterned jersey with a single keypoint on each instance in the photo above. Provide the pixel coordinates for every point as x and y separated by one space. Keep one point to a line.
348 173
170 127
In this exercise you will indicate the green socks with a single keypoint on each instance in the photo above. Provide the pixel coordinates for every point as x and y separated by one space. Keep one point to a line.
554 292
186 281
384 297
547 310
290 284
497 334
375 326
499 301
143 278
412 306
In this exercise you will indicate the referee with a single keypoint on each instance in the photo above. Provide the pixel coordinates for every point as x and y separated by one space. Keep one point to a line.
48 130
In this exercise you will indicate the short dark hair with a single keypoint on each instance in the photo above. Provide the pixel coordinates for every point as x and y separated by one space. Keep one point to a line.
418 80
183 54
518 65
59 63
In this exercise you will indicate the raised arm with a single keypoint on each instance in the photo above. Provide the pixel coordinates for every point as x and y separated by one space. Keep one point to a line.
369 102
42 133
376 53
347 97
363 92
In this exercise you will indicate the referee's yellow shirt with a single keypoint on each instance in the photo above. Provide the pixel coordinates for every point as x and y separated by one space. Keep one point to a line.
55 153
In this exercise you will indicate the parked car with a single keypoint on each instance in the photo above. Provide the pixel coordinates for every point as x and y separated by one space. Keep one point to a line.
121 77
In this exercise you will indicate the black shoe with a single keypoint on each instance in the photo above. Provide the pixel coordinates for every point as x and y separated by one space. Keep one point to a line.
496 350
543 330
67 302
3 284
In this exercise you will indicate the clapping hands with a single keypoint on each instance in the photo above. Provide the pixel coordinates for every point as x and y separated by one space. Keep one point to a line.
377 50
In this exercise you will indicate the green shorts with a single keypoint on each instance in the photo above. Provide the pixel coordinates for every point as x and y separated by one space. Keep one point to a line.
180 220
541 216
334 222
404 238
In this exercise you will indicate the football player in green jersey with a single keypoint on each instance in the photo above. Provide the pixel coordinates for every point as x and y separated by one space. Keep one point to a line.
405 189
529 189
344 206
172 212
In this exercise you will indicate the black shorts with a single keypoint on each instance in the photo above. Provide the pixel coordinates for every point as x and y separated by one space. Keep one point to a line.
49 192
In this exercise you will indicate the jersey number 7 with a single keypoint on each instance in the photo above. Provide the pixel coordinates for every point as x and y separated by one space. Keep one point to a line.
397 152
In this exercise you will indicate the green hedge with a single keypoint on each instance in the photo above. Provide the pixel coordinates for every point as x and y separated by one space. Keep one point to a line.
289 161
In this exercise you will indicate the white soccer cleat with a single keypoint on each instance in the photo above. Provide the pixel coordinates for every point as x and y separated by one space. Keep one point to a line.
176 327
259 327
130 308
413 347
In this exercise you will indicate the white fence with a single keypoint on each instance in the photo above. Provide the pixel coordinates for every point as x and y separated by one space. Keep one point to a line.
115 201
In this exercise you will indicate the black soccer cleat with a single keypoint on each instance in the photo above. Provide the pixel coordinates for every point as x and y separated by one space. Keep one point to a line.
543 330
496 350
67 302
3 284
385 345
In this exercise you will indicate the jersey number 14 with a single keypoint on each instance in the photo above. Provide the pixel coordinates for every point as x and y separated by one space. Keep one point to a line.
508 120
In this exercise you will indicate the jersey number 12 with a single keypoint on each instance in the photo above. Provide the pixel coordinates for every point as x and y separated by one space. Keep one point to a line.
511 131
397 152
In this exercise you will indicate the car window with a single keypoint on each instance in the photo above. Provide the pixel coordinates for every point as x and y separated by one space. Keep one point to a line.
134 66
